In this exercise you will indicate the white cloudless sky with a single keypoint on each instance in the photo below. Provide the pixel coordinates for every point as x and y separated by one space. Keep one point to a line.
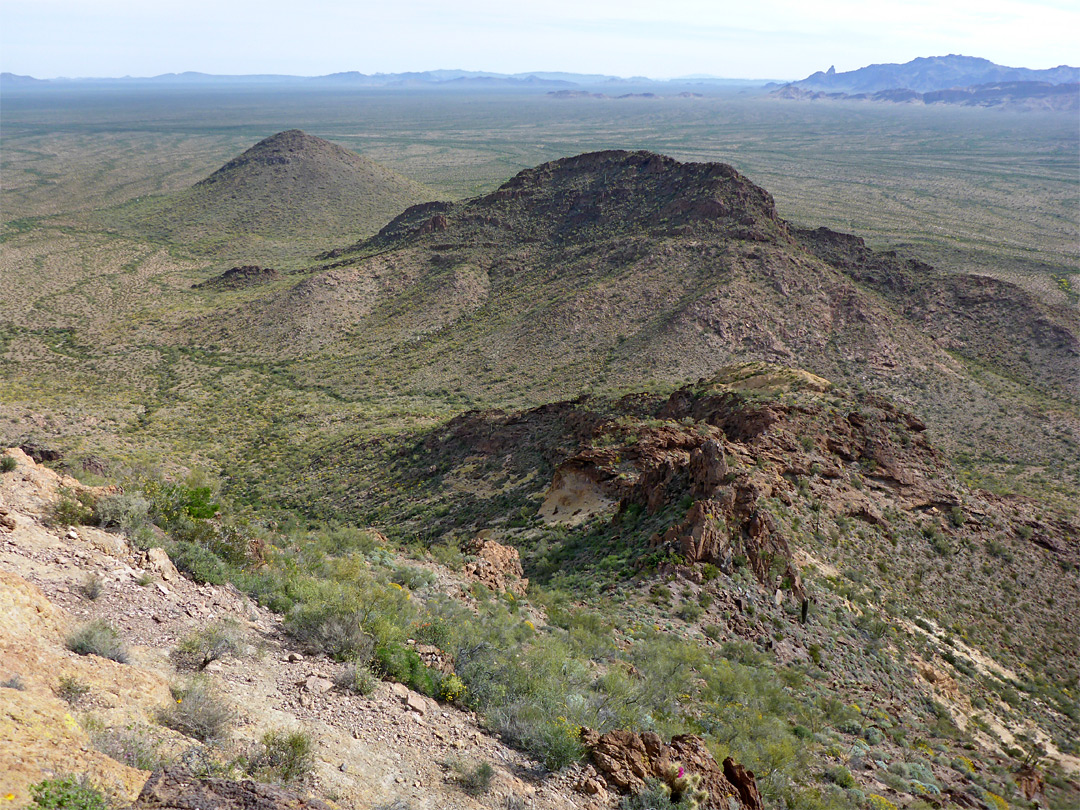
783 39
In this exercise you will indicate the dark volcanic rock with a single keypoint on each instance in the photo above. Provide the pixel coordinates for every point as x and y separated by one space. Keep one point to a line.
237 278
41 454
177 789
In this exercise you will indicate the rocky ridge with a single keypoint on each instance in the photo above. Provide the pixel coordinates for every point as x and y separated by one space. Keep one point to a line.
730 471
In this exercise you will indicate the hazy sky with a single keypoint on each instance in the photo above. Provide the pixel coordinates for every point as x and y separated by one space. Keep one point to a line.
660 38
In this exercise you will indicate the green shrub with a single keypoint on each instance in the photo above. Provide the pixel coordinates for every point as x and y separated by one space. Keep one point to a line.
475 781
69 512
937 540
690 612
121 511
14 682
199 563
451 689
98 637
656 795
839 775
171 503
332 629
67 793
357 677
198 711
449 555
137 746
220 639
93 586
289 756
8 464
873 735
412 577
397 662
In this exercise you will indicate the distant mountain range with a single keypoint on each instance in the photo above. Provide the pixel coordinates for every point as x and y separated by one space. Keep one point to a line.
427 78
953 79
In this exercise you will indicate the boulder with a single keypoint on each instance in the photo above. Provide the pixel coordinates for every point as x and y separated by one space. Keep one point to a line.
496 566
158 561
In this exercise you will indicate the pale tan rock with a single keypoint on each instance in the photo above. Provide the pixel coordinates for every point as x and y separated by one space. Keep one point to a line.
416 703
496 566
317 685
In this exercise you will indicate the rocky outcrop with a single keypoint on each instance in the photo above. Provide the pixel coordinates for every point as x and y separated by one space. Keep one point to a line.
625 760
496 566
744 783
39 735
238 278
1030 781
176 789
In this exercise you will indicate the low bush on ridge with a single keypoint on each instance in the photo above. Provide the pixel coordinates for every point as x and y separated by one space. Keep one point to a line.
98 637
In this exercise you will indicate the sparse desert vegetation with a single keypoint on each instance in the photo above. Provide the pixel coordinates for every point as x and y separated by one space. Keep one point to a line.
623 444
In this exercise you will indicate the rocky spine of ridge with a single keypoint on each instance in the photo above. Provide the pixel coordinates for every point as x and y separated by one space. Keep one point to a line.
981 317
238 278
744 470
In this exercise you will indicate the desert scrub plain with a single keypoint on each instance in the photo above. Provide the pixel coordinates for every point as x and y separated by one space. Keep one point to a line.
938 658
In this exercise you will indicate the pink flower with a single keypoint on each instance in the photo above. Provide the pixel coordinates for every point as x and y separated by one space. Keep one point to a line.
680 774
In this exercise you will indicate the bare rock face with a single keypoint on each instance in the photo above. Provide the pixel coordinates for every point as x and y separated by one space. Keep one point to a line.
1030 782
625 760
177 789
743 780
707 468
496 566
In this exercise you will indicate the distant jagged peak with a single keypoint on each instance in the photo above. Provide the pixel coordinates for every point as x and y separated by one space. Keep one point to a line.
601 194
926 74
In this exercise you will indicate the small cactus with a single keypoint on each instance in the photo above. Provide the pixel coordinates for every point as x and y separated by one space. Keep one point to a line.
686 790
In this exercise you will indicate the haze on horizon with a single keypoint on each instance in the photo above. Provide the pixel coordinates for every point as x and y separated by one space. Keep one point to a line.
776 39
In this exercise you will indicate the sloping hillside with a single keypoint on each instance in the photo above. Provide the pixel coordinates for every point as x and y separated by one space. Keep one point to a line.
289 187
613 270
